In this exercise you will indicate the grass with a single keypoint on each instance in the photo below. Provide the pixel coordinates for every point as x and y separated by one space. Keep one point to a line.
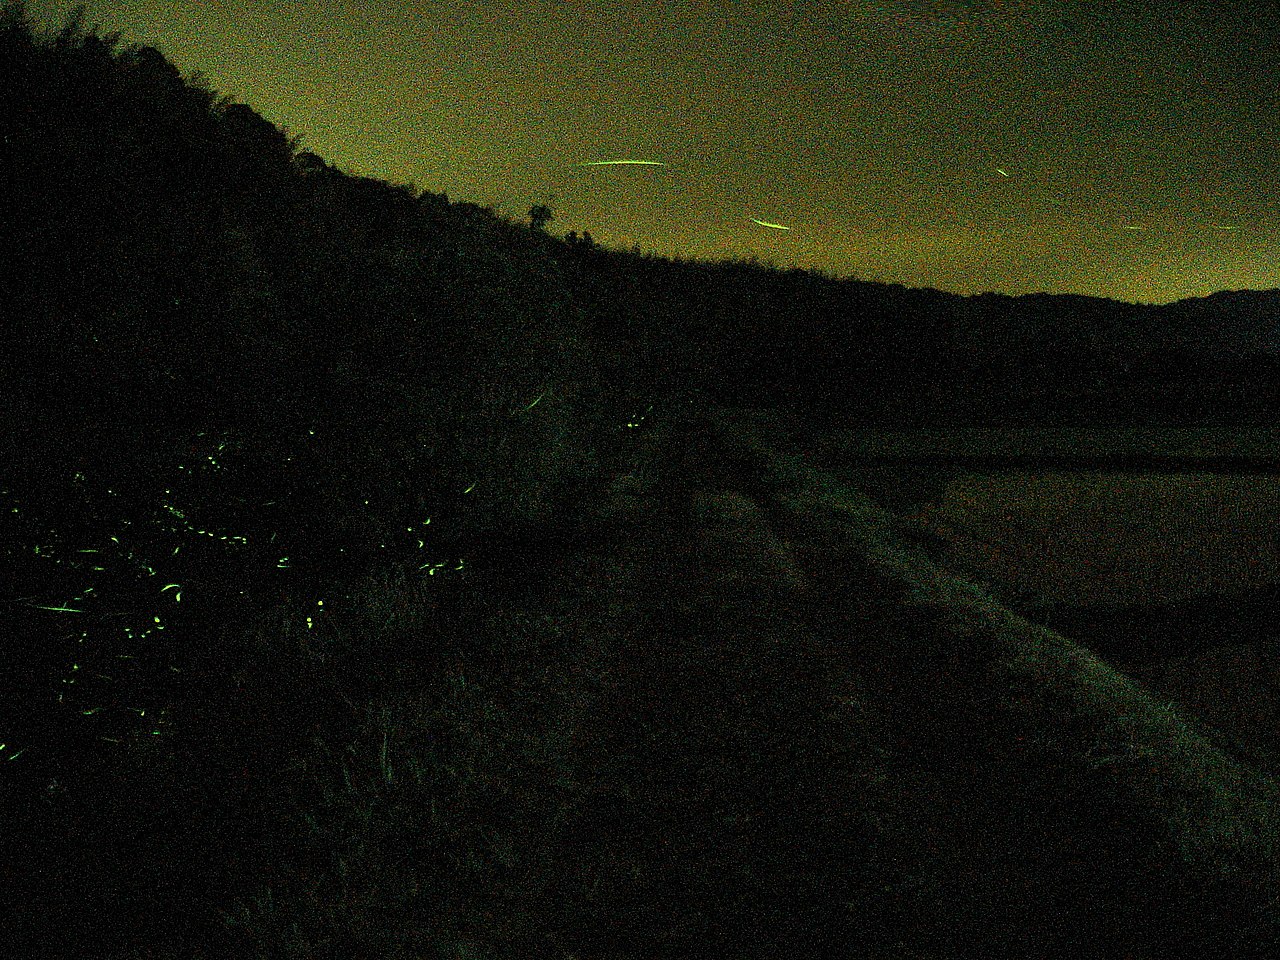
736 715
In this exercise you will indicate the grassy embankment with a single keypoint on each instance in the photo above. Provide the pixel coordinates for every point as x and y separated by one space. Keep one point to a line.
1069 731
751 719
1169 571
732 712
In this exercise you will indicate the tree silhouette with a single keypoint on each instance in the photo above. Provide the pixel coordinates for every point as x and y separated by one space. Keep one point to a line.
539 215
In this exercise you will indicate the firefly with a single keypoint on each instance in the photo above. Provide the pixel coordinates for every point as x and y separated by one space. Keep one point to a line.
772 226
617 163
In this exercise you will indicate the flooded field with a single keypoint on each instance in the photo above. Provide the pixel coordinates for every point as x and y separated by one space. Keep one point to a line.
1159 550
1080 517
1076 442
1109 539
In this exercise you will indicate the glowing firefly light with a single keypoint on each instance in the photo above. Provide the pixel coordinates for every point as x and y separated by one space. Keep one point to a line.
619 163
772 226
1001 171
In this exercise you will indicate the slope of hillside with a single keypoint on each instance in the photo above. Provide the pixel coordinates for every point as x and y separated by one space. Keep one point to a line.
1036 801
731 714
727 712
776 729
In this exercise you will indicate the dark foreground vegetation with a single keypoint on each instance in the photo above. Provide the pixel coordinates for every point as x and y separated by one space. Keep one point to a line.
381 578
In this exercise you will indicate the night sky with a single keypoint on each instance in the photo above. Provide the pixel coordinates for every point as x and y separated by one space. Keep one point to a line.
1119 149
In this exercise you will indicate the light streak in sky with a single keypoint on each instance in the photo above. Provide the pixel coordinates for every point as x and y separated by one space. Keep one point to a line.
774 226
615 163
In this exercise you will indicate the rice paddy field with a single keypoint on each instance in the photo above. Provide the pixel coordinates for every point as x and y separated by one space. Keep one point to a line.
1164 442
1109 539
1089 518
1169 572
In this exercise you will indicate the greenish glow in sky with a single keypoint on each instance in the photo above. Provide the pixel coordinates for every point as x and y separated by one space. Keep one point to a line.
1120 149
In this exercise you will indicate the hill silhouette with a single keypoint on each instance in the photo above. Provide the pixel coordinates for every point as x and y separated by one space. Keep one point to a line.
384 577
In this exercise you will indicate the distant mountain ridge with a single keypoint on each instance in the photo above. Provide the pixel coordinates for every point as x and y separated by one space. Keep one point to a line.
1230 321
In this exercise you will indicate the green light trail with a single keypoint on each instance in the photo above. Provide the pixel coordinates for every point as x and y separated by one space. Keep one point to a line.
619 163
